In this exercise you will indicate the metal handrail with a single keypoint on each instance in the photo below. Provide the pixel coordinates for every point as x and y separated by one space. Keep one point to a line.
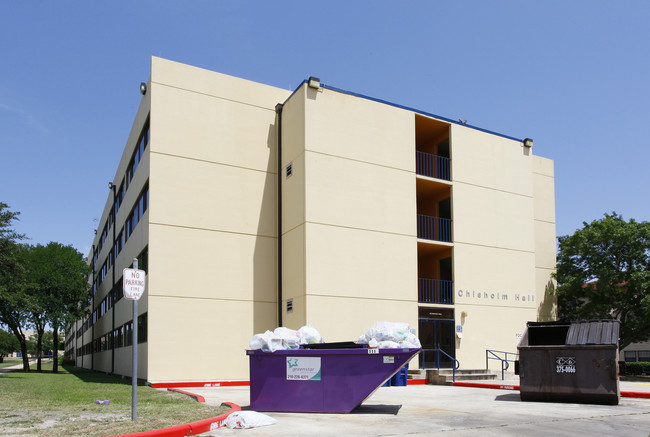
434 228
435 291
453 368
432 166
505 362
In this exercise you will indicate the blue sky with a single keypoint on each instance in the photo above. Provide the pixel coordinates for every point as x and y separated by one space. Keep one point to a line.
572 75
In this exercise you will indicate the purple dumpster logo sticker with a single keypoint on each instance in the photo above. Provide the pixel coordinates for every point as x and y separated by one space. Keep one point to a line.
303 368
565 364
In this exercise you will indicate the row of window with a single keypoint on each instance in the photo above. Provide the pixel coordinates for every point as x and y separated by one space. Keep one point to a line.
141 205
138 153
637 356
136 214
114 296
120 337
143 141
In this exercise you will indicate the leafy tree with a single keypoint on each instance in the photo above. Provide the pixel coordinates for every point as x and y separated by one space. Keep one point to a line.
58 288
13 302
603 272
8 343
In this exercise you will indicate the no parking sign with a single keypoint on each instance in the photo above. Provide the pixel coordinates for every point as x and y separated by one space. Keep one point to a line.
133 281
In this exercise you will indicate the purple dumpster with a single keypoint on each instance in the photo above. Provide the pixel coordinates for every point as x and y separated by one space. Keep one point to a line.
320 380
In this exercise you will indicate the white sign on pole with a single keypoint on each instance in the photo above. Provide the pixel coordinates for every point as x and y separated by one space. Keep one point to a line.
133 281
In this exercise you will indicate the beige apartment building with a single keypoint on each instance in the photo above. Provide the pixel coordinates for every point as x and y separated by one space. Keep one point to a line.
251 207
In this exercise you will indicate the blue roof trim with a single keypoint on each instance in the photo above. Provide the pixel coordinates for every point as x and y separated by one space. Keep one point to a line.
428 114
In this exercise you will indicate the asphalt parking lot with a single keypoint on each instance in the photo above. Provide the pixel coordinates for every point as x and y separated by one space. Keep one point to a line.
460 411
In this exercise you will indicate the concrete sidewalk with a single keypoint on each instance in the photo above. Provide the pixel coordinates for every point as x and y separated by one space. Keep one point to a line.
17 367
429 409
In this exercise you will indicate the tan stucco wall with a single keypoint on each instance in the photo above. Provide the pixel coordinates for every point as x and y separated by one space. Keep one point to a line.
349 243
213 220
504 230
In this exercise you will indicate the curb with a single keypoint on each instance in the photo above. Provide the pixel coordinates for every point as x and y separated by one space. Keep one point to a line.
197 398
200 384
484 385
624 394
193 428
635 394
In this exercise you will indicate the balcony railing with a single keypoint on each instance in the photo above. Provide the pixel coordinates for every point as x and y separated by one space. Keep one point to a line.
434 228
435 291
433 166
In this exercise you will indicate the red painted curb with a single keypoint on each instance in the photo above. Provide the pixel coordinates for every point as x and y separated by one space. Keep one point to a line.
483 385
635 394
198 398
416 382
193 428
201 384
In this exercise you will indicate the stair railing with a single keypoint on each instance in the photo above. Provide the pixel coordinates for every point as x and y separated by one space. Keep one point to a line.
438 352
505 361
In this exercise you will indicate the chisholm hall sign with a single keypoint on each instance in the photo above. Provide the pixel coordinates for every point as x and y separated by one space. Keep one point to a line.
484 295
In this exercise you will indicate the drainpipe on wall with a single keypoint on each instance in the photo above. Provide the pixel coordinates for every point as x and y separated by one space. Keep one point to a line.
113 286
278 111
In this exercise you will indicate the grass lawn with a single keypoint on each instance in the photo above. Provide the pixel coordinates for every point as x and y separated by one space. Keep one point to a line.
63 404
10 361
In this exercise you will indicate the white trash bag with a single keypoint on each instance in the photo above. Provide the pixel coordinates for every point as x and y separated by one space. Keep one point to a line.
268 342
390 335
309 335
248 419
290 338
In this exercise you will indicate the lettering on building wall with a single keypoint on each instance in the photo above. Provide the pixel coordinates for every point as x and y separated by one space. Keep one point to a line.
484 295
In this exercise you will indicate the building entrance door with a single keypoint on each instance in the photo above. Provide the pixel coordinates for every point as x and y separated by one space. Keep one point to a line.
436 330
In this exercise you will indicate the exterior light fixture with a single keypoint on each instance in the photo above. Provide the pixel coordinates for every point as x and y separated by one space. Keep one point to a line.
528 142
143 88
314 82
110 185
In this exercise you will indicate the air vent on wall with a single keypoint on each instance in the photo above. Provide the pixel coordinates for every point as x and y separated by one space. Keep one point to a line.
289 306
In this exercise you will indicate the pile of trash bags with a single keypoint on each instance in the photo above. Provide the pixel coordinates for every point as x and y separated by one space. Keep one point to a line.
382 335
285 339
390 335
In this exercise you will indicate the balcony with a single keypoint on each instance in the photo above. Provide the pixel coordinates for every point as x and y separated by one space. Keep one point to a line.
435 291
432 166
434 228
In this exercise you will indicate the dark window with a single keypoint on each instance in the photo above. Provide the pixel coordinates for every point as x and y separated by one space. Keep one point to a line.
643 355
142 328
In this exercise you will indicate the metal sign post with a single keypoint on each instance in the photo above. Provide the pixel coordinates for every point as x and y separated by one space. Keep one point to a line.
133 281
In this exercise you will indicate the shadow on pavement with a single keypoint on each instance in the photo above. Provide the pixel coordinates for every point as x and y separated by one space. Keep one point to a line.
510 397
377 409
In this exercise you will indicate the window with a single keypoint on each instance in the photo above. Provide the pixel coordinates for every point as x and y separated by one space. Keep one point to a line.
643 355
143 141
630 356
137 212
142 328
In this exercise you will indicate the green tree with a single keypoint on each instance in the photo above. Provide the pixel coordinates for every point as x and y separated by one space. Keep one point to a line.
603 272
13 301
58 289
8 344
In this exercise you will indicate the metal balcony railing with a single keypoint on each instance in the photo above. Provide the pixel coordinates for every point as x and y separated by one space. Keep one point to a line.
434 228
435 291
433 166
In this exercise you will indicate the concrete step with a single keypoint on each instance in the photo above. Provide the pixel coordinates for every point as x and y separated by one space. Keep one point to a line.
446 376
462 371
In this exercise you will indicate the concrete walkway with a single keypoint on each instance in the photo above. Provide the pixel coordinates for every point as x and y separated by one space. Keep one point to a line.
430 409
17 367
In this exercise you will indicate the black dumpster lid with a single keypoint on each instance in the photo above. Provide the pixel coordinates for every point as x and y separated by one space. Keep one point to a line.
593 332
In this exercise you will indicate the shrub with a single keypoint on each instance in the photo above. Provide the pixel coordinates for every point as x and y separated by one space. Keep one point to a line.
636 367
